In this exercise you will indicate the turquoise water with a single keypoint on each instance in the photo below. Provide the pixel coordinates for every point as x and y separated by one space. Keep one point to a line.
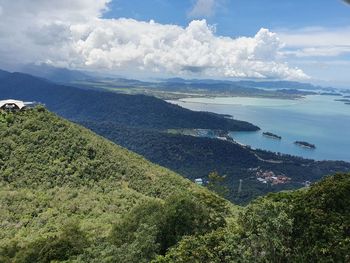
316 119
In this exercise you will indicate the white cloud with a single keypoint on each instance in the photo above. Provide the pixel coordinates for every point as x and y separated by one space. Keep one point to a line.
316 36
203 8
72 33
327 51
316 41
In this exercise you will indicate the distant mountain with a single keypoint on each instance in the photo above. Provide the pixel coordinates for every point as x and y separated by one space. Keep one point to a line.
140 123
60 75
245 83
3 73
197 81
121 109
278 85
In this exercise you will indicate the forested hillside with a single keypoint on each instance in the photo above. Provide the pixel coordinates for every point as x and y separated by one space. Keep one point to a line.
196 157
311 225
64 189
68 195
128 110
139 123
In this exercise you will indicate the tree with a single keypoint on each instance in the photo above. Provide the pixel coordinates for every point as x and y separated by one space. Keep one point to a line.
216 184
70 242
266 229
180 215
322 221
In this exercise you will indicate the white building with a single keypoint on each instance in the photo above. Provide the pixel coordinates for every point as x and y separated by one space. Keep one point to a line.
13 105
199 181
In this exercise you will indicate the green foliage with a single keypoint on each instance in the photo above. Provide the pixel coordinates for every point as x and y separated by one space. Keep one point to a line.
167 222
125 230
216 184
39 149
138 123
322 221
53 172
125 209
213 247
266 228
311 225
70 242
140 248
196 157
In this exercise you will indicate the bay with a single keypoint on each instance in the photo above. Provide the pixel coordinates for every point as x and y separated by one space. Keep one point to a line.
316 119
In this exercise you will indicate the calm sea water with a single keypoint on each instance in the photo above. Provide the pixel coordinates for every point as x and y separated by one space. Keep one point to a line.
316 119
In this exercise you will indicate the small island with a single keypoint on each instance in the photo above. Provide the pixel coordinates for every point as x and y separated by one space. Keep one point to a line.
271 135
305 144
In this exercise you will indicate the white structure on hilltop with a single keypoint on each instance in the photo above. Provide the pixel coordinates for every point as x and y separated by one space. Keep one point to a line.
199 181
13 105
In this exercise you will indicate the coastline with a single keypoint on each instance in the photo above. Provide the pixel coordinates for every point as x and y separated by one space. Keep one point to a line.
303 117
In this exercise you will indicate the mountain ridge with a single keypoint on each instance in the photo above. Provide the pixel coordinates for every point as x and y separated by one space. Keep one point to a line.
138 110
141 123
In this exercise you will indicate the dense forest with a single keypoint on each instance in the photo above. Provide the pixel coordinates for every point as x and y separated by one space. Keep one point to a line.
140 124
128 110
64 189
309 225
68 195
196 157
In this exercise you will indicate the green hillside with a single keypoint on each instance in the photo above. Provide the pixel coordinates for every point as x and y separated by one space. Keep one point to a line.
68 195
309 225
60 183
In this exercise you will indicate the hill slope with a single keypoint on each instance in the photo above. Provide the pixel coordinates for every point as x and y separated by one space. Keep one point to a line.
310 225
53 172
196 157
138 123
135 111
59 75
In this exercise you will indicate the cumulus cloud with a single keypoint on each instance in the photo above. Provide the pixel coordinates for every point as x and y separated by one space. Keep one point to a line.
73 34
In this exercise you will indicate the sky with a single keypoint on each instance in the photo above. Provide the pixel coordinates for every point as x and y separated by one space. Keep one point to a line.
222 39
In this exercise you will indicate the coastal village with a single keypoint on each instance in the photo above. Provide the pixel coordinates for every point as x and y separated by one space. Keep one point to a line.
270 177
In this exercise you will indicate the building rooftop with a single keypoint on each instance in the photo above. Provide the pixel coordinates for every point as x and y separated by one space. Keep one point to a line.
11 102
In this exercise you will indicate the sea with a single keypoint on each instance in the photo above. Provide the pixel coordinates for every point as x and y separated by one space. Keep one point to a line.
316 119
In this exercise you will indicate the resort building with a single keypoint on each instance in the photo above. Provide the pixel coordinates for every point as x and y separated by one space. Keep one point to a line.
13 105
199 181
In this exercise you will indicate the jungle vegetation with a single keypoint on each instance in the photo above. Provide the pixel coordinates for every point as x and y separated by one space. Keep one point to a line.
140 123
69 195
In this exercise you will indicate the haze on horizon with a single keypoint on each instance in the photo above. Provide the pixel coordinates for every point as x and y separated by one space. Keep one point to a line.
234 39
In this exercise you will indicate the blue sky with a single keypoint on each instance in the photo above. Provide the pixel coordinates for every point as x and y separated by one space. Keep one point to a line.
305 40
236 18
239 17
